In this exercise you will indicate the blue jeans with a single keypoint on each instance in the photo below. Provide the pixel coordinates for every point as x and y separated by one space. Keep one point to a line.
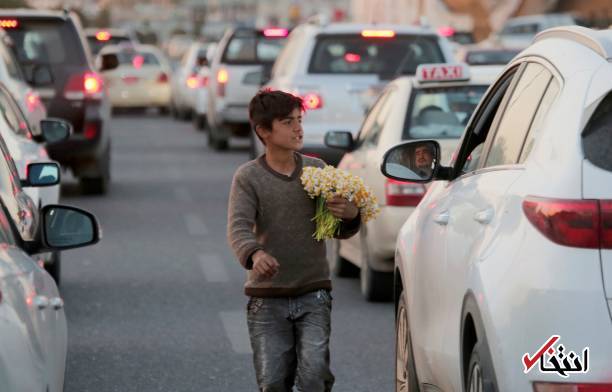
290 341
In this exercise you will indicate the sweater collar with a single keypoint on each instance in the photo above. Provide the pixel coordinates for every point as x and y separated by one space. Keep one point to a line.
293 176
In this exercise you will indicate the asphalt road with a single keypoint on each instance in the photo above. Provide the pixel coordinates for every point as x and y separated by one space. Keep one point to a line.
158 304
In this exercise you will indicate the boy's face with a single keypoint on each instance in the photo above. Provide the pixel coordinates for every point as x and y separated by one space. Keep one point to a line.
286 133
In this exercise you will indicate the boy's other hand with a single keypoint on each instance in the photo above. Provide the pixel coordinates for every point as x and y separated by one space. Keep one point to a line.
342 208
264 264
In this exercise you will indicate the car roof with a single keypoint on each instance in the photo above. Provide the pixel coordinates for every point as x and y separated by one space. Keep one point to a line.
352 28
538 18
600 41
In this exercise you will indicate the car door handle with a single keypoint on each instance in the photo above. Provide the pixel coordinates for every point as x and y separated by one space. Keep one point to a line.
41 302
442 218
484 216
57 303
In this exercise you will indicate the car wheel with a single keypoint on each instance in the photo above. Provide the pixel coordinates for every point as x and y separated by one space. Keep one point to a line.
163 110
98 185
376 286
199 122
54 267
478 379
338 265
405 371
215 142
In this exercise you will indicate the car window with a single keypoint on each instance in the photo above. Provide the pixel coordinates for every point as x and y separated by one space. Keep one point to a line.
540 116
370 123
252 49
517 116
96 45
597 135
354 54
11 65
137 59
441 112
12 116
373 135
490 57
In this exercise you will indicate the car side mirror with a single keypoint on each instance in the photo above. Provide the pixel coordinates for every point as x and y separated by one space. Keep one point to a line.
66 227
55 130
109 62
41 174
415 161
339 139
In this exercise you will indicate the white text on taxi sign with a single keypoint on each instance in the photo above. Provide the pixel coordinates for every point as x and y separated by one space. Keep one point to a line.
442 72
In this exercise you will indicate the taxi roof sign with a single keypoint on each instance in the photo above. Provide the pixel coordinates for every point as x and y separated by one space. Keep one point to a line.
432 73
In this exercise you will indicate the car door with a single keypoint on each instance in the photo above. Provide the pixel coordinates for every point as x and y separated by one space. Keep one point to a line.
477 202
361 161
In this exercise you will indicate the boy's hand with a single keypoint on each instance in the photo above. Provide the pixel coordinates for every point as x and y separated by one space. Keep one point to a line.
264 264
342 208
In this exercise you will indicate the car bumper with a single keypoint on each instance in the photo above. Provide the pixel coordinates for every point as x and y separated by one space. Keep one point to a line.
139 97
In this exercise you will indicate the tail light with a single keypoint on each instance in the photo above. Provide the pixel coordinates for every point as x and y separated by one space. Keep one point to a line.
103 35
378 33
162 78
570 387
312 101
84 86
222 78
403 194
32 101
9 23
203 81
193 82
275 33
91 130
575 223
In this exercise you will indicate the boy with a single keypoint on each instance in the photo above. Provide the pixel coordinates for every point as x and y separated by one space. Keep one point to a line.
270 230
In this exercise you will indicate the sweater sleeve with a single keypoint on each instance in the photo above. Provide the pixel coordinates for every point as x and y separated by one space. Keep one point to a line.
349 228
241 214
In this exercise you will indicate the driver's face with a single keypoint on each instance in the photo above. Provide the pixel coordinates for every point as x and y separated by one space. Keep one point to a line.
423 157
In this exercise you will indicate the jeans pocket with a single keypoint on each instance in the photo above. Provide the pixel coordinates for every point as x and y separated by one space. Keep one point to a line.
254 305
324 297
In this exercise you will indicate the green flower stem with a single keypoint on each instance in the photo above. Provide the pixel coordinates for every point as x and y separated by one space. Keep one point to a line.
327 224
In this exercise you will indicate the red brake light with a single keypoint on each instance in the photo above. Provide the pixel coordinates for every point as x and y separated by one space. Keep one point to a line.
606 224
446 31
81 86
352 58
138 61
378 33
275 33
222 78
570 387
90 131
9 23
403 193
572 223
103 36
312 101
193 82
32 101
162 78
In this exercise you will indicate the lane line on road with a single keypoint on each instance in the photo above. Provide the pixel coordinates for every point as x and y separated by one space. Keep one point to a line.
182 195
213 268
234 323
195 225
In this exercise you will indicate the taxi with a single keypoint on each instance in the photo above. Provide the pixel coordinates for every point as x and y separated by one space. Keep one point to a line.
434 104
504 269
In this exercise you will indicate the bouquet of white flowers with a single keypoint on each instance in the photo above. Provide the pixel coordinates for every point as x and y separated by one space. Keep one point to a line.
326 183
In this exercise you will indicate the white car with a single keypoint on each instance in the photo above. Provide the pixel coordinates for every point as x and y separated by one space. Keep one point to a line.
236 75
185 81
25 148
332 66
141 80
434 104
518 32
11 75
504 270
200 107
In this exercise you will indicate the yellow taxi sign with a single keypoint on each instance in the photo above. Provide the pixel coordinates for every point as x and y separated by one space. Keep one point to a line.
431 73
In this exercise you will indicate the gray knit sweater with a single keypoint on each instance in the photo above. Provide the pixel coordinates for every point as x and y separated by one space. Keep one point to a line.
271 211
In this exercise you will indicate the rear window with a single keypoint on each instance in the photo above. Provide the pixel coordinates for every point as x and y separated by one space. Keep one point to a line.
490 57
597 136
137 59
353 54
97 45
252 48
47 42
441 113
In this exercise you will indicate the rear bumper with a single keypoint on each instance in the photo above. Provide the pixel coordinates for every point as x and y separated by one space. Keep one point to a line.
138 97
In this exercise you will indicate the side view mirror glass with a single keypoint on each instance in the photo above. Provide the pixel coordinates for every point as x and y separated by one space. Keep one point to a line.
413 161
339 139
55 130
68 227
109 62
42 174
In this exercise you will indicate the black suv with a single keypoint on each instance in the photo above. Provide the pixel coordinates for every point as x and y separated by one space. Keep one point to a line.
53 53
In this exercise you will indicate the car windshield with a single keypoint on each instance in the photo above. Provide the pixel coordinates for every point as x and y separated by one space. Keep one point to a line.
490 57
354 54
96 45
441 112
252 49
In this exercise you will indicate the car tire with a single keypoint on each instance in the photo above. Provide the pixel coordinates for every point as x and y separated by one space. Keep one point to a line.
163 110
54 267
376 286
405 370
478 377
216 142
98 185
199 122
338 265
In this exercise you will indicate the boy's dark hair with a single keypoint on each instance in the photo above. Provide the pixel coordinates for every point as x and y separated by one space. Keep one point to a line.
268 105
